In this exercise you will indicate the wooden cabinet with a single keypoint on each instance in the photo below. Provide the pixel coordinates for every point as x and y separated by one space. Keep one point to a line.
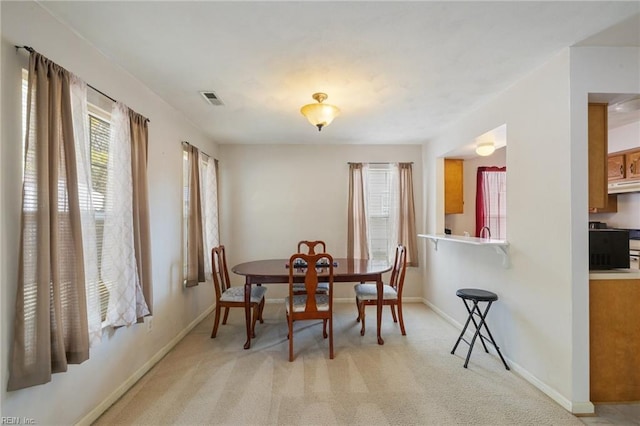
632 161
614 347
624 165
611 207
453 186
598 158
616 168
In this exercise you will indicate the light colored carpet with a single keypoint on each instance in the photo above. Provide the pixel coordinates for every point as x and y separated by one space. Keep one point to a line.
410 380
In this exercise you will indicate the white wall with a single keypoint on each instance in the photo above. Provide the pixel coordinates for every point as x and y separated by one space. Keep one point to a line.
273 196
593 70
72 396
466 221
532 319
541 319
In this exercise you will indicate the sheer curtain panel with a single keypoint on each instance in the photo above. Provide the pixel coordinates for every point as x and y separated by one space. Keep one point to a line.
491 201
51 326
119 266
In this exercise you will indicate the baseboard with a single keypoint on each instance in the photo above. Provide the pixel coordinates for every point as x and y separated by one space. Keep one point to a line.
93 415
577 408
353 300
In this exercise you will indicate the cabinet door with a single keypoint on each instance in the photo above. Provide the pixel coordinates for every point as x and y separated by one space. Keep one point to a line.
633 165
616 167
597 137
453 189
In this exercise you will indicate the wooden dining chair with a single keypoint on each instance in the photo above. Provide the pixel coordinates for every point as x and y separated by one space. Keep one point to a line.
367 294
232 297
311 305
298 288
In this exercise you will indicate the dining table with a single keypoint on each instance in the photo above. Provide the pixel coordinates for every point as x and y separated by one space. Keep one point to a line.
276 271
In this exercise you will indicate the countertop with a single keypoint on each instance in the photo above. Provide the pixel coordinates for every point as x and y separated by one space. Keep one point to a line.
615 274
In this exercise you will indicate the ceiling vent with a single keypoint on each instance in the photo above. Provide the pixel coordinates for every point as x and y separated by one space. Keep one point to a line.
211 98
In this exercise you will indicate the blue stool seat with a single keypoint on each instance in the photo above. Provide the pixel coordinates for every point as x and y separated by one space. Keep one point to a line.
471 297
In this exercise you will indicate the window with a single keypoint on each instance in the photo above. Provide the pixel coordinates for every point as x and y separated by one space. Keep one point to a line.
99 154
491 202
99 133
379 198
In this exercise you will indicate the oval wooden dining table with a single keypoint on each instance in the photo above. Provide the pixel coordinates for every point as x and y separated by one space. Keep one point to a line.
276 271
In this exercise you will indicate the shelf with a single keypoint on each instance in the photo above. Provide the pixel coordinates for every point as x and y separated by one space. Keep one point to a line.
501 246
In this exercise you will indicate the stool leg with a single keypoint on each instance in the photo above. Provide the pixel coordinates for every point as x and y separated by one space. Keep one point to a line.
475 335
466 324
476 308
493 342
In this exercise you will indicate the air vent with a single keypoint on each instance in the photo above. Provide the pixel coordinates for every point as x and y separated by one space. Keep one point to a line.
212 98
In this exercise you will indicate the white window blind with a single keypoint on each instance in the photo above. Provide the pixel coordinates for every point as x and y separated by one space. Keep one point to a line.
380 215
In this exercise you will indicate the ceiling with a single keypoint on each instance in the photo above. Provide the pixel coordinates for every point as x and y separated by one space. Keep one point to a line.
399 71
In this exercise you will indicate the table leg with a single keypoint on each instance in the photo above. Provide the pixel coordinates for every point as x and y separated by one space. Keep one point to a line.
247 311
379 306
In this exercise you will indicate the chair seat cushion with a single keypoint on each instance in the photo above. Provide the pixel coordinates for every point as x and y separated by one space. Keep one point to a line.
321 288
369 292
236 294
300 302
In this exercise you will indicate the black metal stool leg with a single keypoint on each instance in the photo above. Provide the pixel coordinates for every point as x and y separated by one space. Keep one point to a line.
466 324
476 308
493 342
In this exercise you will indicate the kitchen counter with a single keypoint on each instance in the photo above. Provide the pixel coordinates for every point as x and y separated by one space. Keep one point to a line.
615 274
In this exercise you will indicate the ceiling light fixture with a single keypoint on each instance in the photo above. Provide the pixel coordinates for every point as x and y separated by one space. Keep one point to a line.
320 114
485 148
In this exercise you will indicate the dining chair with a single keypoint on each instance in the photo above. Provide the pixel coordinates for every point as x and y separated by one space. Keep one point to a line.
298 288
232 297
367 294
310 305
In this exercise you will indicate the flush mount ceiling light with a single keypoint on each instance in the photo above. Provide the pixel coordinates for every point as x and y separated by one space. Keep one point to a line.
485 148
320 114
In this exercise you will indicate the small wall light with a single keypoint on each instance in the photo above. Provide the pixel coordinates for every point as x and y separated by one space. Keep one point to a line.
485 148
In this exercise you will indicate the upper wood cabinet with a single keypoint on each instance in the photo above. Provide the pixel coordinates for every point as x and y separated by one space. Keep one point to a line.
598 157
616 167
632 160
624 165
453 188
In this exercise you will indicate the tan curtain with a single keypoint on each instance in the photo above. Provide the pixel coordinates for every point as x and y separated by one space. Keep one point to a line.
357 217
407 235
195 243
141 225
50 327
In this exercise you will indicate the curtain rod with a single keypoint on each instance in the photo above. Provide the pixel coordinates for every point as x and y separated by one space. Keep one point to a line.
32 50
188 144
373 162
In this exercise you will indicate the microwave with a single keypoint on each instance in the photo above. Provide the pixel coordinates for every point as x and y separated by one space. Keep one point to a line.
608 248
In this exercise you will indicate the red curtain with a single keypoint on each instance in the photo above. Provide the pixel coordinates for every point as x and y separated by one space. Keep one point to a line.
483 197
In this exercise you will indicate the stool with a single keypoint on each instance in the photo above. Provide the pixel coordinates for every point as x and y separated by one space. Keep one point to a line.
475 296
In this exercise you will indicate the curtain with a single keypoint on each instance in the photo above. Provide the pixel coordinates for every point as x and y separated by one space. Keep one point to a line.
51 326
210 210
491 201
357 245
139 133
195 243
87 211
119 266
407 235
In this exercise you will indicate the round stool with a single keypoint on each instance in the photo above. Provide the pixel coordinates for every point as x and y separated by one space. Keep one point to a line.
471 297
